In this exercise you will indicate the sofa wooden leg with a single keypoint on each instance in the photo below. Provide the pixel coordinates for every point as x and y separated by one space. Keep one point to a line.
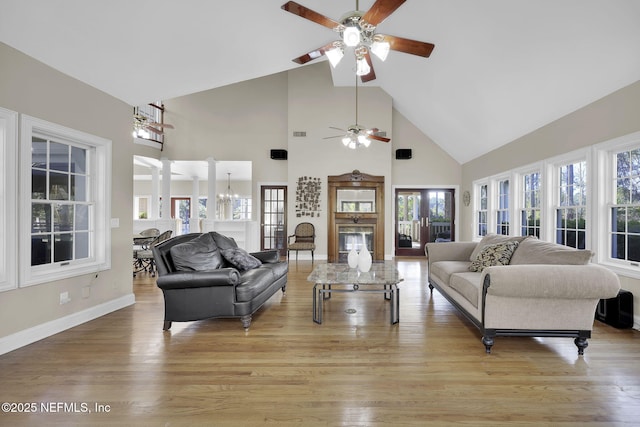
430 288
284 290
581 343
246 321
167 325
488 343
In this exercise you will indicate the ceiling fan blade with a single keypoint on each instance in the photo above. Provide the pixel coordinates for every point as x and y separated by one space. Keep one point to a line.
380 10
314 54
303 12
152 129
161 125
331 137
412 47
378 138
372 74
341 130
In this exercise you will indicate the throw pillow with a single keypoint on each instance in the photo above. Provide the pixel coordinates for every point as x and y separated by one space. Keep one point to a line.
491 239
198 254
241 259
495 254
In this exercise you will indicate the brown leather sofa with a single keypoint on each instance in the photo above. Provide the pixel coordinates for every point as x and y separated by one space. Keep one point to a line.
206 275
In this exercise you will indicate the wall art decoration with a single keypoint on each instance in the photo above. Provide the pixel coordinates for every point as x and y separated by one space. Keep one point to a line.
308 197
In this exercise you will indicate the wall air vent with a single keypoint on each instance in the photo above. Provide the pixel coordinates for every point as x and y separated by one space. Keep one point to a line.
299 134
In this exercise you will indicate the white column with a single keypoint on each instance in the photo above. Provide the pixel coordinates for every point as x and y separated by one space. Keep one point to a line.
166 222
154 213
194 221
212 197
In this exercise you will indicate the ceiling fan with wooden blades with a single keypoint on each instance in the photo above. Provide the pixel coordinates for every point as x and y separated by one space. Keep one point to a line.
356 135
357 29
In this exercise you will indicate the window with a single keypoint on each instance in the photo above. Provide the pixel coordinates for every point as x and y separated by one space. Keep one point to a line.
242 208
571 211
481 215
502 213
530 205
8 197
625 210
65 192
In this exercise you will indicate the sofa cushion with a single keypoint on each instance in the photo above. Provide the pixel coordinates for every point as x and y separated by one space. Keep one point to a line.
468 285
495 254
253 283
444 269
198 254
223 242
240 259
491 239
534 251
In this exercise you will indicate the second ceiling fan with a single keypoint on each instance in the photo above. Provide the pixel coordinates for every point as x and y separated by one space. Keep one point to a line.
357 29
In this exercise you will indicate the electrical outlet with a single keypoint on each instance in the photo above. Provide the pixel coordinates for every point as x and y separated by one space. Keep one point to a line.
64 298
86 291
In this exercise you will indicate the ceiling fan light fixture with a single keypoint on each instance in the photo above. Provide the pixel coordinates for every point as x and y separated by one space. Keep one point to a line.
362 139
381 49
351 36
335 55
362 67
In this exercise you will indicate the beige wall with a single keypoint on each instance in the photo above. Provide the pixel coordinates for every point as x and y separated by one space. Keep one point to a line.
29 87
245 120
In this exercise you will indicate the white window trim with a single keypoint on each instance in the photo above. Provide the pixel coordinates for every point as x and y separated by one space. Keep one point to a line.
517 181
8 199
476 207
101 196
495 202
553 196
602 202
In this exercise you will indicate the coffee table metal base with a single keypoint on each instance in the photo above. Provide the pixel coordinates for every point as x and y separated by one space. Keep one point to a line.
323 292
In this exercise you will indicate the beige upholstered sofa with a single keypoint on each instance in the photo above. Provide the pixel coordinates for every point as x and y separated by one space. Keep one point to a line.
544 290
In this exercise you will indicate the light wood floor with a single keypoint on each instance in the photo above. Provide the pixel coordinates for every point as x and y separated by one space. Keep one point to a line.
354 369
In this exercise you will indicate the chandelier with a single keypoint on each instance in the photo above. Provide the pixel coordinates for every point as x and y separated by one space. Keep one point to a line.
227 198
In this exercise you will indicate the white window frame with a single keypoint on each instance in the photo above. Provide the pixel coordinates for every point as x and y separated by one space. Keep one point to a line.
556 164
518 200
100 196
604 154
8 199
477 185
495 197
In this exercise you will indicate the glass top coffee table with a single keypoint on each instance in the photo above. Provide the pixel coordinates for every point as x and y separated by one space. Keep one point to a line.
382 278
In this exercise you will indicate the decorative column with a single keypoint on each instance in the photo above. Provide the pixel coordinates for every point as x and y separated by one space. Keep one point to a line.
154 212
166 222
194 221
208 224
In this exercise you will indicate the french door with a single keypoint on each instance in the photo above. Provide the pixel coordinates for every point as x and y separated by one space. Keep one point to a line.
423 215
273 227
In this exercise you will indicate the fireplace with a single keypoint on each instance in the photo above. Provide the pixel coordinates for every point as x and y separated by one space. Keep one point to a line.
356 215
355 236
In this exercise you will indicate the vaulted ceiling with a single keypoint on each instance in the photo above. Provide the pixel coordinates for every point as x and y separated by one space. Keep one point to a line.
500 68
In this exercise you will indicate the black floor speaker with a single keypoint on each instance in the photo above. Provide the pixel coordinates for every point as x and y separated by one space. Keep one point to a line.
618 311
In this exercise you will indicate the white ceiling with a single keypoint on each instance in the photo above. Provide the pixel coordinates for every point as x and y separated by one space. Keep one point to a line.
500 68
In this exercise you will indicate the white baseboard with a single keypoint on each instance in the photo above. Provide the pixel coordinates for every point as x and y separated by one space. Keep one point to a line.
44 330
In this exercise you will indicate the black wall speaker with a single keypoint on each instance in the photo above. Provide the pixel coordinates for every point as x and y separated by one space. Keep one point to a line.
279 154
403 153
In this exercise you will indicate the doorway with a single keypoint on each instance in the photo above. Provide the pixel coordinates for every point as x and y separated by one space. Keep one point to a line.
273 199
423 215
181 209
